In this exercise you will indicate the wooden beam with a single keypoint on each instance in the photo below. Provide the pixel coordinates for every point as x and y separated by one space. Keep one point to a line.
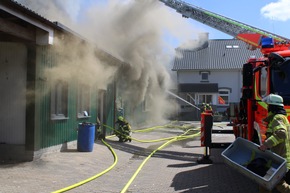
17 30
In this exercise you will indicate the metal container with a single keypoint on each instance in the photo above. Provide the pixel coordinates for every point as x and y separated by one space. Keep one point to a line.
240 152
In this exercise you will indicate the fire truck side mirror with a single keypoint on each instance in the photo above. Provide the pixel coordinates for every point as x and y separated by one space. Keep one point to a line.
247 74
277 61
276 58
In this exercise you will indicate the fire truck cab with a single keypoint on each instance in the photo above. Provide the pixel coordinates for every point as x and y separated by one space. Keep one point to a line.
262 76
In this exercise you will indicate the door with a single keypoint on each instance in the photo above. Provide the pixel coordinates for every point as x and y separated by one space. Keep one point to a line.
13 65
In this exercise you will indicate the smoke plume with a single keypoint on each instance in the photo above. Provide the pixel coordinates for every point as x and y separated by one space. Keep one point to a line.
131 30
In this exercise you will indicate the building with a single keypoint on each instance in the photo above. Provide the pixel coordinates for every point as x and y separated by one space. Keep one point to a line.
211 73
40 111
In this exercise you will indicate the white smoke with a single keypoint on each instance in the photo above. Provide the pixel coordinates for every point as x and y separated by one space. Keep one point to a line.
132 30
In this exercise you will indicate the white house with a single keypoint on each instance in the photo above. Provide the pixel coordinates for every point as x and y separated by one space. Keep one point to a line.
211 73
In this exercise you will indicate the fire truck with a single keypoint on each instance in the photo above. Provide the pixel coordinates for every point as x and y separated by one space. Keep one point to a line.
261 76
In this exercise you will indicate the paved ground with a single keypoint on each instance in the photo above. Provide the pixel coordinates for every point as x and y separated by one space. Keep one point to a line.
172 169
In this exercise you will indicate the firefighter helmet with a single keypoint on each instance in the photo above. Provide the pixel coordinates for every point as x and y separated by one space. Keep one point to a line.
120 118
273 99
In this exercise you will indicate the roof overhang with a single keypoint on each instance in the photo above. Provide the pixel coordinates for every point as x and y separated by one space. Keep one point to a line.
198 87
45 29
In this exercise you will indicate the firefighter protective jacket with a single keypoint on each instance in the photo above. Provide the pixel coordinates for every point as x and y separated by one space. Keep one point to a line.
278 136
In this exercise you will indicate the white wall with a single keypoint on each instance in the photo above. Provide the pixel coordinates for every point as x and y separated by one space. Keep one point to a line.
229 79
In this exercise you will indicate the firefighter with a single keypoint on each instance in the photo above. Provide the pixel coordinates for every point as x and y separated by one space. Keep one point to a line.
124 130
277 137
206 107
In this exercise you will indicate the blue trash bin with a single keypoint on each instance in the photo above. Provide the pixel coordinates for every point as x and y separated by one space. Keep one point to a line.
86 137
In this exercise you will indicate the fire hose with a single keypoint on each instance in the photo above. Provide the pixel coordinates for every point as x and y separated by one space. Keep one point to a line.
171 140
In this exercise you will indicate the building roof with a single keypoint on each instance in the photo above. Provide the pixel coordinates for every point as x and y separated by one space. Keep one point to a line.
221 54
15 14
25 10
17 9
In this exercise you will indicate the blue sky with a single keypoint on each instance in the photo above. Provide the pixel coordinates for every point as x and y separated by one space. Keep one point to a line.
269 15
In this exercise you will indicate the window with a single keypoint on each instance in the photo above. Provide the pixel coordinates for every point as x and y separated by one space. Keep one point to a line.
190 98
59 100
263 83
204 76
204 98
232 46
223 97
83 101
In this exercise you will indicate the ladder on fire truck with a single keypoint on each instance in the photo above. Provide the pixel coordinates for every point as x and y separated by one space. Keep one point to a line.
249 34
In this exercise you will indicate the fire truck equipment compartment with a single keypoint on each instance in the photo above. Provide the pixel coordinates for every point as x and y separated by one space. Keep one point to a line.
240 152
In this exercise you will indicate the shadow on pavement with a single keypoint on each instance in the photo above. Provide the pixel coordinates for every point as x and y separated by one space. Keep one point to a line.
212 178
142 152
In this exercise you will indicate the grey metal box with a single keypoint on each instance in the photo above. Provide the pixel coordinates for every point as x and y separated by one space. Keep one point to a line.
239 153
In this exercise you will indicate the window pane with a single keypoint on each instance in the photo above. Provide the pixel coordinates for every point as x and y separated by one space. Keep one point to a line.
204 98
204 76
223 98
52 101
263 83
59 99
83 104
223 92
64 98
208 99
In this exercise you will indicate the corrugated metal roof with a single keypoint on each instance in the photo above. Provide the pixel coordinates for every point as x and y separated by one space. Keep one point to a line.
28 11
220 54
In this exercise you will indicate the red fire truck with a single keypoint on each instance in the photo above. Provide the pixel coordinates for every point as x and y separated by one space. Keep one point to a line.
261 76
